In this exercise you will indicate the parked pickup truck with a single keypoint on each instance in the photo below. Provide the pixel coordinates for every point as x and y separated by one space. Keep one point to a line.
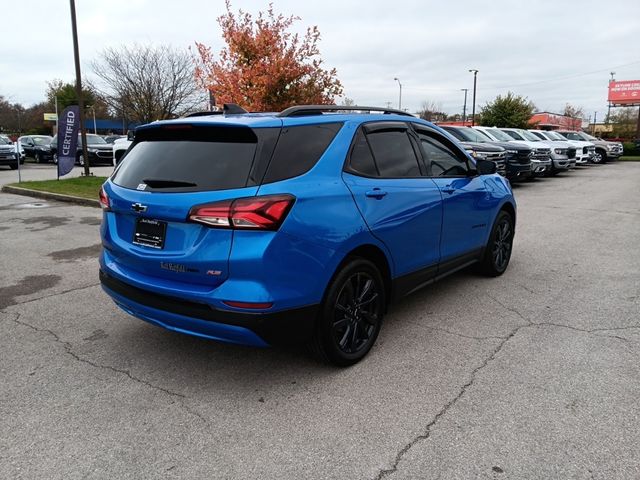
604 150
540 156
561 156
518 158
584 150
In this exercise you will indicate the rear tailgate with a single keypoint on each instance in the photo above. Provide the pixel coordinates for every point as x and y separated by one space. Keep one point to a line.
164 175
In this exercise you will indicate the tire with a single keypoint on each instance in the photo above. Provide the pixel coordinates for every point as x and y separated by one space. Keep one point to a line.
497 253
350 315
599 157
55 158
38 157
81 160
14 166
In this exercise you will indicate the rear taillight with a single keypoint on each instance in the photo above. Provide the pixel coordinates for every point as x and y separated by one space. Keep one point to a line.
252 213
104 200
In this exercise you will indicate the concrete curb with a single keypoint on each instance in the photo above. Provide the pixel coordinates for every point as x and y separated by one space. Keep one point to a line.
87 202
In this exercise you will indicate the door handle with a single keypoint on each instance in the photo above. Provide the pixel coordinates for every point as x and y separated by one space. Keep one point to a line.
376 193
448 189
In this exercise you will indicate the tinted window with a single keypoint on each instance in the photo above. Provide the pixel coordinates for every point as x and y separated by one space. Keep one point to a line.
394 154
298 149
192 160
361 160
539 135
442 161
456 133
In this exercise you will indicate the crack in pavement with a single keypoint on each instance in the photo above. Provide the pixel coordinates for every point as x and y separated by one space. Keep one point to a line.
384 473
69 350
443 411
462 335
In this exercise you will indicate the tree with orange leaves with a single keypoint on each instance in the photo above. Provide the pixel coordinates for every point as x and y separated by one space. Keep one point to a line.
265 67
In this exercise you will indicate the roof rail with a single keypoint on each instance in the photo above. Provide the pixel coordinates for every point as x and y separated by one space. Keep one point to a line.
305 110
227 109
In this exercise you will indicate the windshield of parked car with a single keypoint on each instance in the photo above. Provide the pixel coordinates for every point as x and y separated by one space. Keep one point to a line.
42 140
540 135
4 141
555 136
95 140
499 134
587 137
473 135
513 135
529 136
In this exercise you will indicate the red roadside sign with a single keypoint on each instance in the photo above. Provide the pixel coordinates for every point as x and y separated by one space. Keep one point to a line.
624 92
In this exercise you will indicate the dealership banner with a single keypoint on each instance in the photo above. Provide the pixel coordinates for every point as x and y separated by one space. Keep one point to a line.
68 127
624 92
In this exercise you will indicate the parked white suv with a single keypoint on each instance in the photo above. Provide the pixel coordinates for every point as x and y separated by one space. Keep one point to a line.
584 150
120 147
540 156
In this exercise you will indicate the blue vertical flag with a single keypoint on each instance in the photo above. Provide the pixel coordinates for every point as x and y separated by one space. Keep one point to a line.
68 127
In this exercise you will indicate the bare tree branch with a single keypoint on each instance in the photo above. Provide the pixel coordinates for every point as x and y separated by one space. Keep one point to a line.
148 83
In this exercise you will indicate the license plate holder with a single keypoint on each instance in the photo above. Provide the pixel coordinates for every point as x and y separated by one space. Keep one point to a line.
150 233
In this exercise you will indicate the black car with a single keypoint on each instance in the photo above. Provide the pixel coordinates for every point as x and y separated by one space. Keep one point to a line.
518 157
8 154
37 147
488 152
99 151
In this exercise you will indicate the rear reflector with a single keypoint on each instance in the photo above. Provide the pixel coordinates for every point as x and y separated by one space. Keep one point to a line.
253 213
250 305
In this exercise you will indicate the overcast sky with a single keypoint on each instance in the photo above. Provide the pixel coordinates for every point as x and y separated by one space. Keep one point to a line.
552 51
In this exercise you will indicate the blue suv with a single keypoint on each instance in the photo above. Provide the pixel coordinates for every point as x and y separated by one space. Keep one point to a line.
298 226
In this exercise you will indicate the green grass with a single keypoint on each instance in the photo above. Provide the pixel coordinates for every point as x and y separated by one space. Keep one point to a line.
85 187
630 158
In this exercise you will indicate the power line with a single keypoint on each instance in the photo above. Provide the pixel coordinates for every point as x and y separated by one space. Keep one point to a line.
566 77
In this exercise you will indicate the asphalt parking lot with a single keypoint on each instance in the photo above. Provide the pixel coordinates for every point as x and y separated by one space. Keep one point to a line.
535 374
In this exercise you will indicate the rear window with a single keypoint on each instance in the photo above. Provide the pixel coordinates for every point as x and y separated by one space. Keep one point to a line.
298 150
188 159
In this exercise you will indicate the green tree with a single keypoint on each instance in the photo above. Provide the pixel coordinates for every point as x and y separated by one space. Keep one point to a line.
624 122
507 111
66 95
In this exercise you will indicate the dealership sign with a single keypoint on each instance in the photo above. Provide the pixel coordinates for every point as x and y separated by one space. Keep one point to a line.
68 139
50 117
625 92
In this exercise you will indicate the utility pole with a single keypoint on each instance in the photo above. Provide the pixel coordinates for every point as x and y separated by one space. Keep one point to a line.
473 111
595 120
464 106
76 58
609 108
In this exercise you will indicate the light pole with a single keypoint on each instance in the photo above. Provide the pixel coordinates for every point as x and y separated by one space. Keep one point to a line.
93 111
473 110
76 58
595 120
464 107
400 96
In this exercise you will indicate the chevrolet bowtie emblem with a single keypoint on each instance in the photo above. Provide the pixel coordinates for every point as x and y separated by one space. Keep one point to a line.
138 207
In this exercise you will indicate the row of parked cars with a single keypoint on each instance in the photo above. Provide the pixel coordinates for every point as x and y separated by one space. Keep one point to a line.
44 148
523 154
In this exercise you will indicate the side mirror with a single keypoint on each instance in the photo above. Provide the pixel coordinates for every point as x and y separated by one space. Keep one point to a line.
131 134
486 167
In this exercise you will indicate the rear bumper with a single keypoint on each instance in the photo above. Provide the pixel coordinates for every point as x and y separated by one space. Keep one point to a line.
200 319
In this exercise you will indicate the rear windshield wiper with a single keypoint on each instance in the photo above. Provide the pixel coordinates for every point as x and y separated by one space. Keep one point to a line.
160 183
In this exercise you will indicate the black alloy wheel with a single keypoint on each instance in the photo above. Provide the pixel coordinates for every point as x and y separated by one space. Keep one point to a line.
498 251
38 157
351 314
